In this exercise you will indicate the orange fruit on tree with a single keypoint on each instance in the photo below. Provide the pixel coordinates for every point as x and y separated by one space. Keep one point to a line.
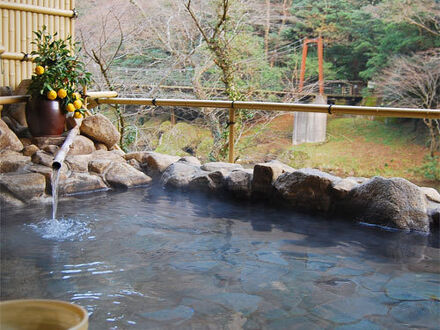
76 96
78 104
78 115
62 93
52 95
70 107
39 70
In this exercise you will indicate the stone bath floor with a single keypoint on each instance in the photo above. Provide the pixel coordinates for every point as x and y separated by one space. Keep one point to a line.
147 258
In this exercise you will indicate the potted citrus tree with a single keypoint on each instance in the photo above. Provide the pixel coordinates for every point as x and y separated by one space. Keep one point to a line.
55 86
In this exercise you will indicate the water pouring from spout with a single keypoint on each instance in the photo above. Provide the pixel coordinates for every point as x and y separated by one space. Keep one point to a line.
57 163
55 178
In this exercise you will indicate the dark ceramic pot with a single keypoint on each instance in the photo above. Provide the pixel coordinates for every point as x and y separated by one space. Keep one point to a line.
45 117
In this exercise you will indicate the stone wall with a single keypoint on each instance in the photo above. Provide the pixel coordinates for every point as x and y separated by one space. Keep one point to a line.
95 163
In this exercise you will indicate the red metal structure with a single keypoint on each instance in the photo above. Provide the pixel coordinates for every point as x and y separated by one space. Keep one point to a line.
320 63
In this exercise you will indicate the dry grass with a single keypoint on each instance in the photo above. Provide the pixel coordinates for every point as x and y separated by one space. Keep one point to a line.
354 147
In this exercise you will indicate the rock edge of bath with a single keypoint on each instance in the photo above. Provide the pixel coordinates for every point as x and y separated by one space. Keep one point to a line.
93 165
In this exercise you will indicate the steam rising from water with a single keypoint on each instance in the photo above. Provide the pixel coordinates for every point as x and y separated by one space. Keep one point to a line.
61 229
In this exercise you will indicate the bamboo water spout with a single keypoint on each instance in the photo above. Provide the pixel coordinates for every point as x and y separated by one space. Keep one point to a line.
58 162
62 153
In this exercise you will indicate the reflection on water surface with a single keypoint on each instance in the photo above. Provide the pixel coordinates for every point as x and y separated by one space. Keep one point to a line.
153 259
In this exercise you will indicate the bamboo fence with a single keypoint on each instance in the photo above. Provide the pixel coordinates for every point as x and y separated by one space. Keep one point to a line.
19 19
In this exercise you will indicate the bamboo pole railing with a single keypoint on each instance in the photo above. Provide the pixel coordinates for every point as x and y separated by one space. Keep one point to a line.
24 98
272 106
99 95
108 97
13 99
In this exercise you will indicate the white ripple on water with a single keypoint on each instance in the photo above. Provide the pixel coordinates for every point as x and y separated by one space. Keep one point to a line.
102 272
70 271
86 269
87 295
86 264
62 229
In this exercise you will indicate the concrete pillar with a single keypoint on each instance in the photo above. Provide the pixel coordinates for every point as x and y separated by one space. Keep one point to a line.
310 127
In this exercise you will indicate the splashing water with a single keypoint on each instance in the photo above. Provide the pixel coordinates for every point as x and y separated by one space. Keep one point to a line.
62 229
55 178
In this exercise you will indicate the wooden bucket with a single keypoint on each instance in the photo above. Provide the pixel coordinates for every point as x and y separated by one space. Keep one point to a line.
30 314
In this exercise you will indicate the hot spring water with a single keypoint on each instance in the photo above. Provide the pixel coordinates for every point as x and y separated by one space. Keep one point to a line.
147 258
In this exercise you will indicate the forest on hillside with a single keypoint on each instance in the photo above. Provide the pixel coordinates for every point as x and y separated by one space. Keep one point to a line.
247 49
261 38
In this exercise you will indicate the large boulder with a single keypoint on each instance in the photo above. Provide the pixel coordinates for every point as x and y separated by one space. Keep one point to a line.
47 172
8 139
342 188
155 163
81 182
99 165
265 175
101 161
215 166
139 156
209 181
100 129
239 183
26 187
78 163
113 155
190 160
179 174
393 202
81 145
306 189
122 175
12 161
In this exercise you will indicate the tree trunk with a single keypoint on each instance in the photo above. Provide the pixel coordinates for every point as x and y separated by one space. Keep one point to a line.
210 116
267 30
433 136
